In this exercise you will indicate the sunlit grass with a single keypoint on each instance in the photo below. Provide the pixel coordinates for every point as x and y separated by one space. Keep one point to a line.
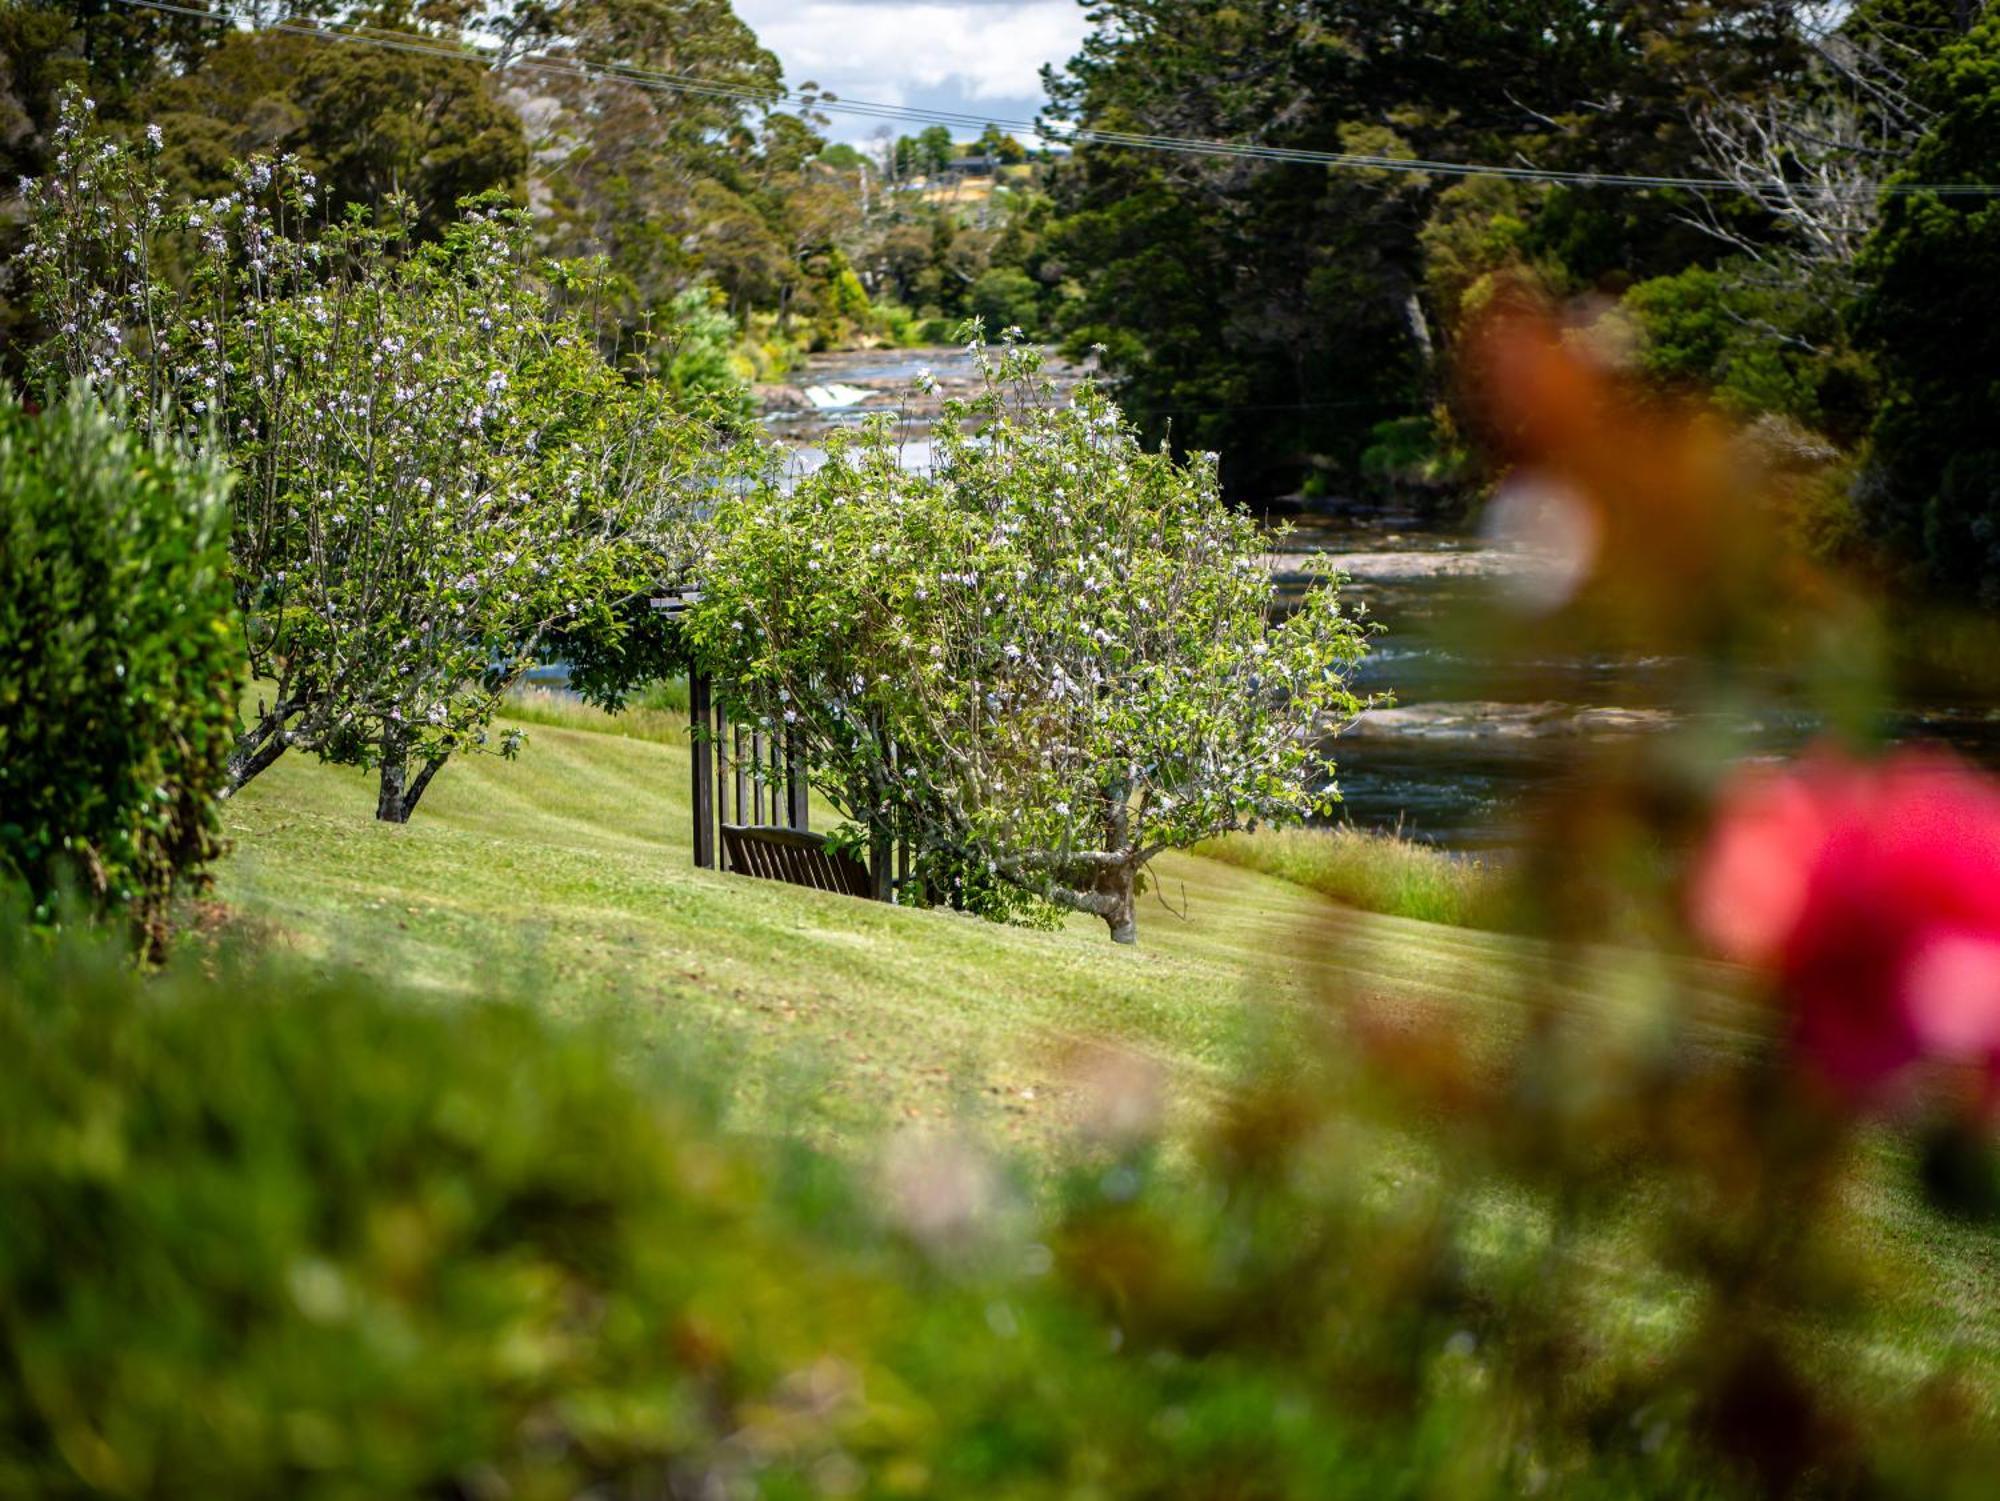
571 868
659 713
1377 872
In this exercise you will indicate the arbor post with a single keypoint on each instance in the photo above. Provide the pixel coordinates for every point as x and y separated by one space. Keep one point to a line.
700 703
881 861
797 789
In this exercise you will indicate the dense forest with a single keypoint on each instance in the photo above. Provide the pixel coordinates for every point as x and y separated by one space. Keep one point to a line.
1300 317
1303 319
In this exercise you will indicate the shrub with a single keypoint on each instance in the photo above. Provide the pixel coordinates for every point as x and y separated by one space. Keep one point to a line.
1416 453
897 323
1071 644
1750 347
276 1236
120 662
700 353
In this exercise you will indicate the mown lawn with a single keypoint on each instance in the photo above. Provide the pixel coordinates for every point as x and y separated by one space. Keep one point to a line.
566 876
568 873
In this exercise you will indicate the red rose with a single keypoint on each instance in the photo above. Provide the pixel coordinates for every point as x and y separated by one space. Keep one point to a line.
1872 893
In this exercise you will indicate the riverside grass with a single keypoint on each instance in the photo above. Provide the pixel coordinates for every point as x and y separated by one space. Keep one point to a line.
1377 872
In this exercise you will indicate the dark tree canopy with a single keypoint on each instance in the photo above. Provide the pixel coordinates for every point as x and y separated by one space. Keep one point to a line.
1282 312
1934 483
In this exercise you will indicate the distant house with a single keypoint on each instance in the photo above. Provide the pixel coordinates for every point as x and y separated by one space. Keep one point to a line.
972 166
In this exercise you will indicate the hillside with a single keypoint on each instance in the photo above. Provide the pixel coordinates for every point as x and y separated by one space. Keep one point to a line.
570 869
566 874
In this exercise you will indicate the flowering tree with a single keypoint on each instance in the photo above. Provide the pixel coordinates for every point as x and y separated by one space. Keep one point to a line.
1043 660
439 474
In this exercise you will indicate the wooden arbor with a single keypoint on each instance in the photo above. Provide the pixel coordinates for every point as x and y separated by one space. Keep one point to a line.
764 773
750 799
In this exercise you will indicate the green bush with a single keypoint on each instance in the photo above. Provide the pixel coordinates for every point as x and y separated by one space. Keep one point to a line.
1007 297
1751 347
272 1237
700 353
120 663
897 323
1040 662
1416 453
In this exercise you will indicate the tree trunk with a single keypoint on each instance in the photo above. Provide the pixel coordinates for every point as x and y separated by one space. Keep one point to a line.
1116 904
389 806
397 792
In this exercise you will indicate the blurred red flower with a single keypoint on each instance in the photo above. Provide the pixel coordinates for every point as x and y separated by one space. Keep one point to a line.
1872 894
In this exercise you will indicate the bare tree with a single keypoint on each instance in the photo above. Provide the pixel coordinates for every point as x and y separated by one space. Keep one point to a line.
1815 158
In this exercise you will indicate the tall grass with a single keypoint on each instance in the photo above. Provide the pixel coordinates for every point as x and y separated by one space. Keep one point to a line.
1375 872
657 713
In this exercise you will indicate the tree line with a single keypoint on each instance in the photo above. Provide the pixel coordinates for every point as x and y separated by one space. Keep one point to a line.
1305 320
732 235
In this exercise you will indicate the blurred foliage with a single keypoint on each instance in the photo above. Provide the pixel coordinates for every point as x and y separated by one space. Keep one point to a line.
272 1232
120 663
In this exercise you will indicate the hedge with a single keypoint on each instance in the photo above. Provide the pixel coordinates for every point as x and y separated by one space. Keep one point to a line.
120 663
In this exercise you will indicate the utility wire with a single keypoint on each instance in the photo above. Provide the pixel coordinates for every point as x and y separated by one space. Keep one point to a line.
681 83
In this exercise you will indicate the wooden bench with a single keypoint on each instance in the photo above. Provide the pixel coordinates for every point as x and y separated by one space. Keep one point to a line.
781 854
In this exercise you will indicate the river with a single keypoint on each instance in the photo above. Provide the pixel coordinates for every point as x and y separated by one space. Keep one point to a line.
1468 736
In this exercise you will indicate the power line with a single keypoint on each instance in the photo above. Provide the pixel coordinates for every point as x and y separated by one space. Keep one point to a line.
682 83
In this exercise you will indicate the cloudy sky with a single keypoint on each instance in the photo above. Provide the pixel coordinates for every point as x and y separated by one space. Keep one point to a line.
980 57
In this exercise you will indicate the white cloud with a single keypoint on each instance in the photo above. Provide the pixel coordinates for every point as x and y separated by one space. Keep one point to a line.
974 55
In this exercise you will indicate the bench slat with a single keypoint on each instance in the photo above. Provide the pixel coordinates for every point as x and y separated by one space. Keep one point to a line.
773 853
